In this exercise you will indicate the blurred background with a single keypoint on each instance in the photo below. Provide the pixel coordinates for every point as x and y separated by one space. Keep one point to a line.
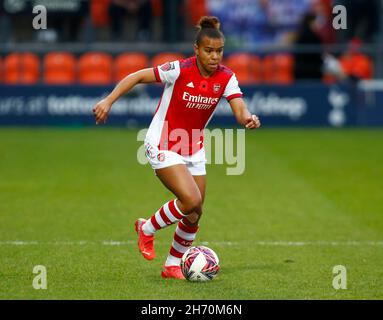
289 59
310 198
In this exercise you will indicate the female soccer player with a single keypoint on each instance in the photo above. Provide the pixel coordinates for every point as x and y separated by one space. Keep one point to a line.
174 141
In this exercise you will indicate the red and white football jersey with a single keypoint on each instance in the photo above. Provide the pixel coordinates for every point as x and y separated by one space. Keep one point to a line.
187 104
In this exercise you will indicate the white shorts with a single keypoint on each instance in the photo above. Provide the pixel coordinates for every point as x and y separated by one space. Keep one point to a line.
160 159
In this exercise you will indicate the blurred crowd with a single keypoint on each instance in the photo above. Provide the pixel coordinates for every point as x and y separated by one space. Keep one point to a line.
247 24
243 21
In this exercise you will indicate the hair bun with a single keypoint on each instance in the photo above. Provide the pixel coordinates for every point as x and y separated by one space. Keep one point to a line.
208 22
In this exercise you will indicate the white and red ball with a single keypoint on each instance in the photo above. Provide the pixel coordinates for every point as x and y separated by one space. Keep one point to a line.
200 263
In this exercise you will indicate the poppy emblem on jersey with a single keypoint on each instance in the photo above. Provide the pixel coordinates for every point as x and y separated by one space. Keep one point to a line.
167 66
161 157
216 87
203 86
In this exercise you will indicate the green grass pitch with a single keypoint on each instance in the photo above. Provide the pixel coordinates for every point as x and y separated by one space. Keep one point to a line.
309 200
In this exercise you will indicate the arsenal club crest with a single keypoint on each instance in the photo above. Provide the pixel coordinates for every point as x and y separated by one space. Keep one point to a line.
216 87
161 157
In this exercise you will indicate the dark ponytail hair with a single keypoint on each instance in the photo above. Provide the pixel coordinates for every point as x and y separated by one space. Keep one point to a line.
208 26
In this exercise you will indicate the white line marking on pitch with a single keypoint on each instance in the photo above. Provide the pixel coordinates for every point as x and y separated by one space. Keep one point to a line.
218 243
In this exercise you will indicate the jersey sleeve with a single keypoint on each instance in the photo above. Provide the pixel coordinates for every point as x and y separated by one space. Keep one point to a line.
232 89
168 72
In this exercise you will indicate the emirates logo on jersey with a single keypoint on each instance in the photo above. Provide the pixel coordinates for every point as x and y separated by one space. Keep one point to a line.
199 102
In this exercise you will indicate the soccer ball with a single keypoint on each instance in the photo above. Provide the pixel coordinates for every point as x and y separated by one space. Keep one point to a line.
199 264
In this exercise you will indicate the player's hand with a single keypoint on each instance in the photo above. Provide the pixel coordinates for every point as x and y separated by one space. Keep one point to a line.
253 122
101 111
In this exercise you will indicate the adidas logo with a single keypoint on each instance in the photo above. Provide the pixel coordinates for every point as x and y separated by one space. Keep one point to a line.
190 85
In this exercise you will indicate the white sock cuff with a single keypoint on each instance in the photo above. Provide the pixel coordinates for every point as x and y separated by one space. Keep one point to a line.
178 209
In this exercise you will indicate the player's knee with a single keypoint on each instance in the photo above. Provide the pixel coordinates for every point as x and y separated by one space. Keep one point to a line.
193 219
193 204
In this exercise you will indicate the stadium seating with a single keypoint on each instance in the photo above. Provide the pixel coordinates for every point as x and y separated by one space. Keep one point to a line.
256 69
21 68
95 68
268 69
59 68
357 65
161 58
284 68
245 66
100 68
127 63
278 68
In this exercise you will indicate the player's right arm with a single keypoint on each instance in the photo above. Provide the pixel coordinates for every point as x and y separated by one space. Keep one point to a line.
102 108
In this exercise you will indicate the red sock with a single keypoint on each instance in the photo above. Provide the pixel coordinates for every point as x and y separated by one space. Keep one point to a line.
168 214
183 239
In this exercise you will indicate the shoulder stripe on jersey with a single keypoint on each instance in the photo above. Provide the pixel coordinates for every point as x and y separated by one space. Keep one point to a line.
235 95
187 63
225 69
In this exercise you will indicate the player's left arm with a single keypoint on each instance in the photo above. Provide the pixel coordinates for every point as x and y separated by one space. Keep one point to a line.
242 114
